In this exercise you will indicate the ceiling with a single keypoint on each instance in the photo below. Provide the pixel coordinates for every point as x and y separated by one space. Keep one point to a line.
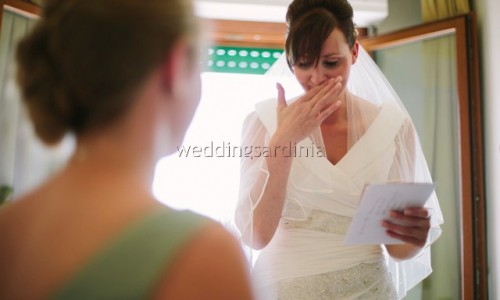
366 12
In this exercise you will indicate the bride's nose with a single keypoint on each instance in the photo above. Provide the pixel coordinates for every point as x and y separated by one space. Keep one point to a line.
317 76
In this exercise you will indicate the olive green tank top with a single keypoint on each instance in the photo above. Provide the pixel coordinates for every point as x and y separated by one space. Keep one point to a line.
130 266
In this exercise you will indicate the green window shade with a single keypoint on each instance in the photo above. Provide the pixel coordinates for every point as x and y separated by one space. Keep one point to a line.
240 59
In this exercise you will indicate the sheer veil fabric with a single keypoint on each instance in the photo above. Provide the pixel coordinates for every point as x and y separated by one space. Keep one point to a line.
374 110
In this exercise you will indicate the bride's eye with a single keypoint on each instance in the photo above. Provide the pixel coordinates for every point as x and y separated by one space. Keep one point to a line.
330 63
303 64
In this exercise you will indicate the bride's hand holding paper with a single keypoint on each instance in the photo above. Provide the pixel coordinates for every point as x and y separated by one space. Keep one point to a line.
410 225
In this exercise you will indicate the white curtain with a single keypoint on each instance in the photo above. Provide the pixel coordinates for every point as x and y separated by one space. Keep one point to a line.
24 160
429 92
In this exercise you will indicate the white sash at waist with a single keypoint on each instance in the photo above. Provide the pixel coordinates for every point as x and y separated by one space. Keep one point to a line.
297 252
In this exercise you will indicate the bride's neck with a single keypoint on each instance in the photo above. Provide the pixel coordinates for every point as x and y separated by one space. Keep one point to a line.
339 116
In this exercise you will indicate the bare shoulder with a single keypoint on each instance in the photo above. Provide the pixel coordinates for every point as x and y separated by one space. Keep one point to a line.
14 212
211 266
8 213
15 224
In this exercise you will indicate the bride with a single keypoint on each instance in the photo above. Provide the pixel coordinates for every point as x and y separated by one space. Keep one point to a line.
294 207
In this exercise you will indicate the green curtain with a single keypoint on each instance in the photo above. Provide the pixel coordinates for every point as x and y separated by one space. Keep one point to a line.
440 57
441 142
429 92
439 9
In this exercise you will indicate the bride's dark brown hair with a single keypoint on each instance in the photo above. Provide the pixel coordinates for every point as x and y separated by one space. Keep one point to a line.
310 22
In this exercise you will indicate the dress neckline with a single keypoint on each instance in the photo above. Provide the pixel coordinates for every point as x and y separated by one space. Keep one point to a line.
348 165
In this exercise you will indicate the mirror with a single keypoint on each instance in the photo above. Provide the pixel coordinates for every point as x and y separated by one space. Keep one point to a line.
433 68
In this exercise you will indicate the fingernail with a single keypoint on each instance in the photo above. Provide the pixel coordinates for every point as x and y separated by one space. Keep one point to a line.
408 212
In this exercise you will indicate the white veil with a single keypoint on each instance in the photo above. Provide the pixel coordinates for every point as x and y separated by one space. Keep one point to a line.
370 90
368 82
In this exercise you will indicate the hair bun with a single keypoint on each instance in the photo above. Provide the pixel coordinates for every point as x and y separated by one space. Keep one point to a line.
46 102
341 9
80 66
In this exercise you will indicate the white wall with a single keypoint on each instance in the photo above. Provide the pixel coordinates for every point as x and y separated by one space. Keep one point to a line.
489 45
365 12
402 14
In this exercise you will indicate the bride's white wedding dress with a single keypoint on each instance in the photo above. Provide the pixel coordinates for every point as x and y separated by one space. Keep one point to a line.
306 258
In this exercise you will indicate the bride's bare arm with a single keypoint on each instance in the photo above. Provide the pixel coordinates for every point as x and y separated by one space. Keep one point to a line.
267 212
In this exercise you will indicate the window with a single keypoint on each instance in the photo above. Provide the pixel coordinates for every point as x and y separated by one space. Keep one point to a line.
203 175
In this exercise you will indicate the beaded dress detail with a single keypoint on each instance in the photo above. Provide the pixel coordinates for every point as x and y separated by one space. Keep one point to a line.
364 281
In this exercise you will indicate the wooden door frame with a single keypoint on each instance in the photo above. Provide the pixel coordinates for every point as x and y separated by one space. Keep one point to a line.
20 7
2 4
473 218
247 33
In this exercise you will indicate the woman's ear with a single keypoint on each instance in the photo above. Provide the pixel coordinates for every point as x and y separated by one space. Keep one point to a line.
180 73
178 68
355 51
175 67
180 84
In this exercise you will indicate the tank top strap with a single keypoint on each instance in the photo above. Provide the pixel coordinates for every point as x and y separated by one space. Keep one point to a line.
129 267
